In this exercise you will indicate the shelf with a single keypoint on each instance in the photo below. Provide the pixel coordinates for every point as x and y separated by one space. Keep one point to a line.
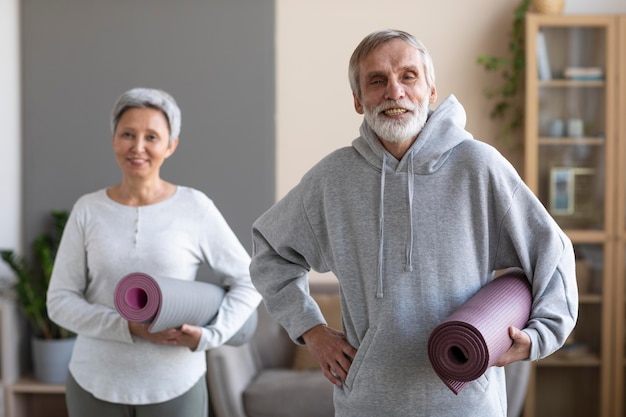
578 179
563 83
30 398
32 386
560 141
590 298
555 361
586 236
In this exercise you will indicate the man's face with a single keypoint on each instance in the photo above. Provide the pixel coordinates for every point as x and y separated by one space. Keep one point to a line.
394 92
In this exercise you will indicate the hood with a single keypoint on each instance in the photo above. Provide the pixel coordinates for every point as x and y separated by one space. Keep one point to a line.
444 130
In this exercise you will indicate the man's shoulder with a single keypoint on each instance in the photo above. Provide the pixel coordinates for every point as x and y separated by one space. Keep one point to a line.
480 152
337 158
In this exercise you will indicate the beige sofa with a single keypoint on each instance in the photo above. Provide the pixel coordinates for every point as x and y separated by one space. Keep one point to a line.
259 379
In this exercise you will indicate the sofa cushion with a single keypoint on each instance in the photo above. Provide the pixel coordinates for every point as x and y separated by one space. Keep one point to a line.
331 309
288 393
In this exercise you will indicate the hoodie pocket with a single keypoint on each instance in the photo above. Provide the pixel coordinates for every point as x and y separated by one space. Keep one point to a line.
361 354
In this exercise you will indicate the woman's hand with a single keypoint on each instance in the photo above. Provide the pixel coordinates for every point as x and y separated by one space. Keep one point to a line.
186 335
189 336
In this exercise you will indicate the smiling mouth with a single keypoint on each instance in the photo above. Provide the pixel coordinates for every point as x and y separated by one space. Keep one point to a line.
394 111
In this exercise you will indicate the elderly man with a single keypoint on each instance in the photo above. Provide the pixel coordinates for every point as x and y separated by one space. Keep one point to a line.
413 218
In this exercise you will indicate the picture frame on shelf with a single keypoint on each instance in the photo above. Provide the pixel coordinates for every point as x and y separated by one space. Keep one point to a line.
571 191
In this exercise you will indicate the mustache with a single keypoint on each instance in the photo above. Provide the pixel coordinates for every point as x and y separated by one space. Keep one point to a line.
395 104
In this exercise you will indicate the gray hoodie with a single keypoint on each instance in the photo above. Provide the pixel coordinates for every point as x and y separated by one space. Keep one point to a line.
410 241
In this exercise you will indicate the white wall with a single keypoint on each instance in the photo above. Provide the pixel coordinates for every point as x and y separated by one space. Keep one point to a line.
315 38
594 7
10 159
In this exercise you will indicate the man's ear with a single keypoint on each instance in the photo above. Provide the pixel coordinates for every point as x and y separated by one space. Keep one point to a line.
357 104
433 94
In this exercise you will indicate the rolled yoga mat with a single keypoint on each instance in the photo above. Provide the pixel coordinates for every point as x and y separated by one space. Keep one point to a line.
472 338
166 303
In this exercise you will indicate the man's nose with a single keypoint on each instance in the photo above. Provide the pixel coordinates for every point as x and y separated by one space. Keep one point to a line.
395 90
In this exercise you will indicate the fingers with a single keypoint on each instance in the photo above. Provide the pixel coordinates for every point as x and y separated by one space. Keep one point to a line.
519 350
331 350
333 377
339 364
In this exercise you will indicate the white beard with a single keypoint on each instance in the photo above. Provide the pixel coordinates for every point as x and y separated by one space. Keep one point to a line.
397 131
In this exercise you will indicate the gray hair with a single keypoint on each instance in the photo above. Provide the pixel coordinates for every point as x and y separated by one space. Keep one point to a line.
148 98
375 39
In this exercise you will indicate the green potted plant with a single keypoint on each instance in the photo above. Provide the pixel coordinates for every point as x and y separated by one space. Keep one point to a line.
507 97
29 289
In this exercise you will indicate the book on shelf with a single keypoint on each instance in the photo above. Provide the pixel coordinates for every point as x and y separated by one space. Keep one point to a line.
543 62
583 73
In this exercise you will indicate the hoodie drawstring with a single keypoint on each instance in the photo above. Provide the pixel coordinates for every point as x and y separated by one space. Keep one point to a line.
381 229
381 218
409 247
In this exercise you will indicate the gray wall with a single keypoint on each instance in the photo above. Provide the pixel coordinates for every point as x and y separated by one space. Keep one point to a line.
216 57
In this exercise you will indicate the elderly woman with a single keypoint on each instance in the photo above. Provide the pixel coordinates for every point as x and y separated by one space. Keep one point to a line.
146 224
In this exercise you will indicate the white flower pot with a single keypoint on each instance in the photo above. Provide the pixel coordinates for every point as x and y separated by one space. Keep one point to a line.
51 358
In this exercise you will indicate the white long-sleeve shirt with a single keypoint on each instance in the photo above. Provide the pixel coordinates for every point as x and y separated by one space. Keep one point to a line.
102 242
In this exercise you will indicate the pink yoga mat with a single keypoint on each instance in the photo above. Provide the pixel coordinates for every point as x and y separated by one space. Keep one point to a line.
472 338
166 303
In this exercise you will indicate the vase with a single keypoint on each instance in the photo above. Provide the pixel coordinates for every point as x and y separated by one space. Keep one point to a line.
547 6
51 358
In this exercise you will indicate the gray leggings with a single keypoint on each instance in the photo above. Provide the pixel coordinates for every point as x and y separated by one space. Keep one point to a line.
80 403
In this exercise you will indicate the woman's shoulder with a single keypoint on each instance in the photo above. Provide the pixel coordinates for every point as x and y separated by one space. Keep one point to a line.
91 198
193 196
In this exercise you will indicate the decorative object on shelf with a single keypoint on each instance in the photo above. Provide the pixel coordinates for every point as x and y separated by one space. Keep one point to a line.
583 73
30 286
556 128
575 128
548 6
508 106
571 192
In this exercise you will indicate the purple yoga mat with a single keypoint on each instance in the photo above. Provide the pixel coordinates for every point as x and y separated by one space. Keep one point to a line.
472 338
166 303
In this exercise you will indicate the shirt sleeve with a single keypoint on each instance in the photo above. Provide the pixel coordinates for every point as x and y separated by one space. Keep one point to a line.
66 302
229 262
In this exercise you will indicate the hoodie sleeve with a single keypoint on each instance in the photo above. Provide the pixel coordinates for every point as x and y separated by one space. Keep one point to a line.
531 237
284 250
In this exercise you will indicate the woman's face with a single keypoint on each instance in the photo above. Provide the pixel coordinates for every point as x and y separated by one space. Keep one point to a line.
141 142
